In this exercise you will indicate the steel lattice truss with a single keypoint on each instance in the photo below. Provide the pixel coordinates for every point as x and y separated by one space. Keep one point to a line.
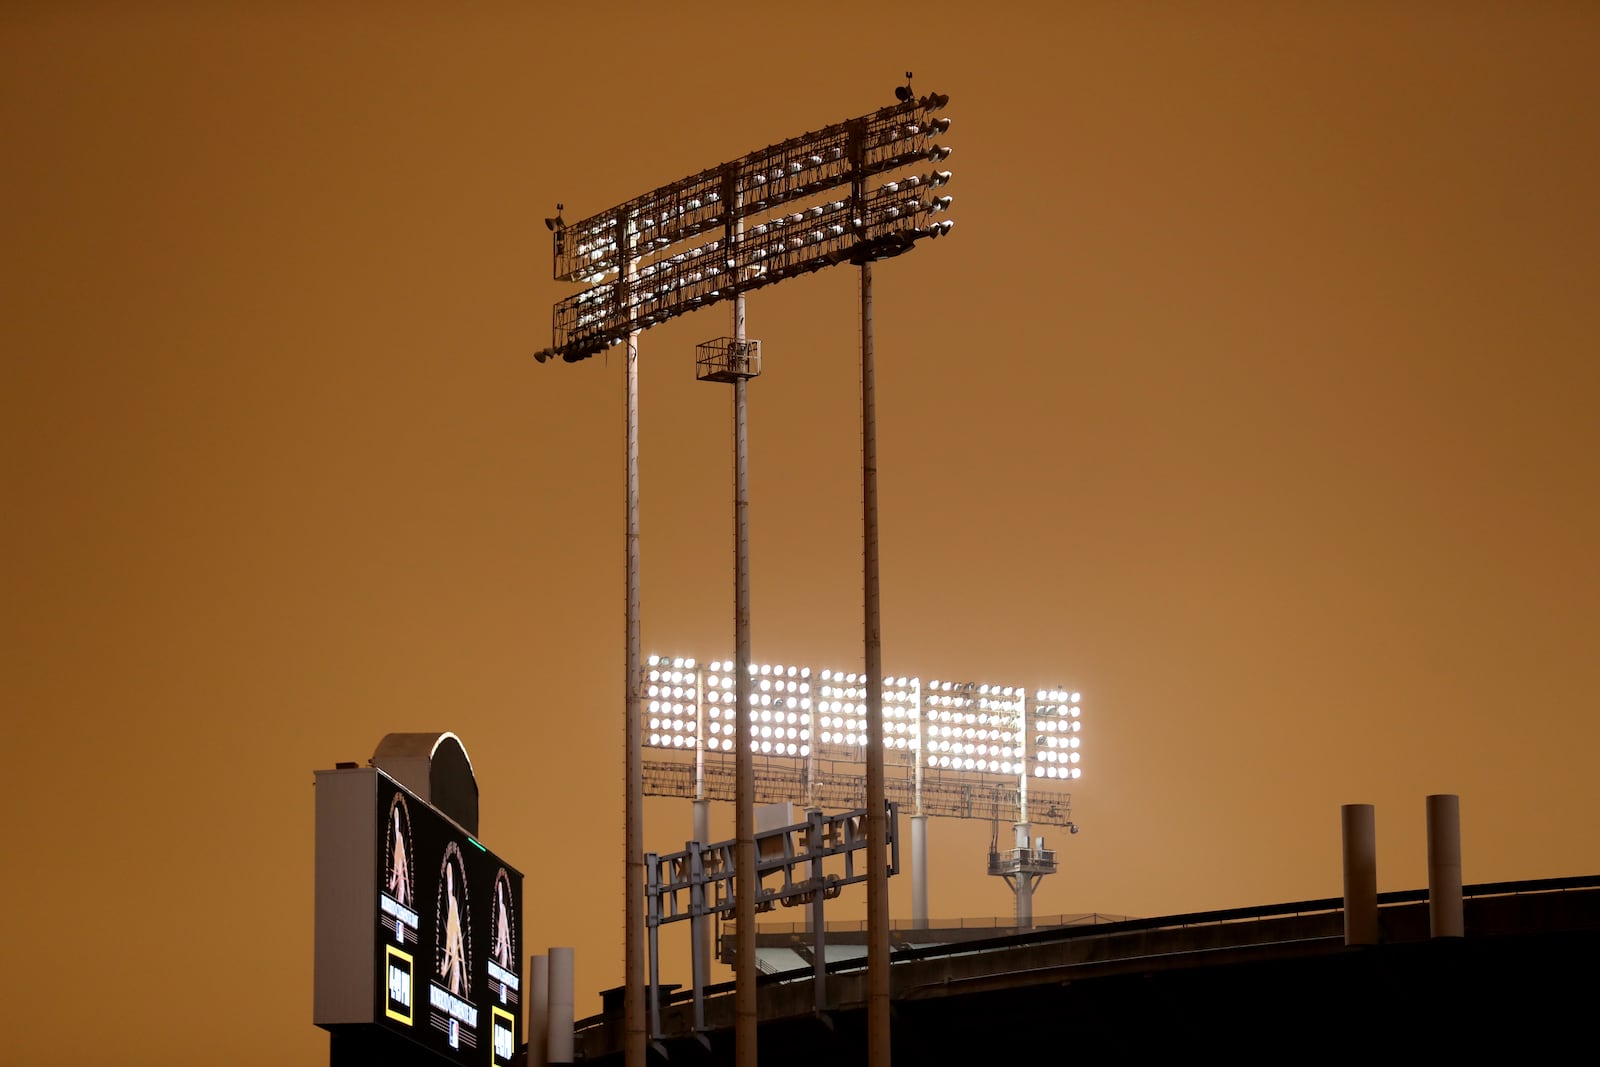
835 790
848 193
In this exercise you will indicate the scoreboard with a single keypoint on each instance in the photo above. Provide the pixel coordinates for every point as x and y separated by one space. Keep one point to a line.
417 923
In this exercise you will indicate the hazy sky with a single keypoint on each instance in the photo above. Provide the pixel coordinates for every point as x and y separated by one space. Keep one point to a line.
1253 396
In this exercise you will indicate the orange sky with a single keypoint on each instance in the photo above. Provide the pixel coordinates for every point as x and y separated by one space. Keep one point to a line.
1254 396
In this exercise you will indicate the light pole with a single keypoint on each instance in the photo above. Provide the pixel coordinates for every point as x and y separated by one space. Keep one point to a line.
688 245
878 1051
633 807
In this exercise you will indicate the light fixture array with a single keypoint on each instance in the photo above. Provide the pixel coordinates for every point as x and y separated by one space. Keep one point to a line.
855 191
799 713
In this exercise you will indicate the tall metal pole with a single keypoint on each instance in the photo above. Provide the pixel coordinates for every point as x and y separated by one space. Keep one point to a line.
919 828
633 788
1025 876
1024 840
919 871
877 821
700 928
744 763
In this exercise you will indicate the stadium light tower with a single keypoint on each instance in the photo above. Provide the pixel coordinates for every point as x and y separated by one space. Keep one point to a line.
960 749
1052 732
853 192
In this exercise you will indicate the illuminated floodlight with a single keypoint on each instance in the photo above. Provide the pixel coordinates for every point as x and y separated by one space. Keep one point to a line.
841 714
902 723
786 210
1054 728
973 728
944 729
671 703
779 710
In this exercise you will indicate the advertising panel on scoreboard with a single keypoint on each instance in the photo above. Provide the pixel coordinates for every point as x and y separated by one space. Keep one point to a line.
447 912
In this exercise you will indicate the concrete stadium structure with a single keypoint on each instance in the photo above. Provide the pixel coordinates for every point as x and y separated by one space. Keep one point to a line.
1275 982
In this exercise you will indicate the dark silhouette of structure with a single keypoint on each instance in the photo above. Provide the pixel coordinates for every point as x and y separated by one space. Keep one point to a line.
1276 982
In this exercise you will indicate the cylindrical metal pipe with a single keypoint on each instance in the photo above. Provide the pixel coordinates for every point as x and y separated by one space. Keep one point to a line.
814 918
633 761
559 1042
700 951
538 1011
701 824
1446 912
1359 829
878 1051
744 763
921 746
699 741
919 871
1023 842
919 826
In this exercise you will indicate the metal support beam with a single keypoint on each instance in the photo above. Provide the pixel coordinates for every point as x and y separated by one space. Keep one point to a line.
633 774
919 871
878 1051
814 913
745 820
701 929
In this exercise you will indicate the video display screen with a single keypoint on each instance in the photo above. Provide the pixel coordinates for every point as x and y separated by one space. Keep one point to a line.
448 945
